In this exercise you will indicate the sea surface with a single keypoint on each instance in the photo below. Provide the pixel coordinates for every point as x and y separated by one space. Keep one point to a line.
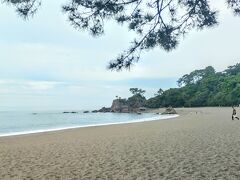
16 123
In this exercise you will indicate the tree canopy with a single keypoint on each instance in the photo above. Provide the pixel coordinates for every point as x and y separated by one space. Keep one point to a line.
160 92
158 23
195 76
137 99
203 87
137 91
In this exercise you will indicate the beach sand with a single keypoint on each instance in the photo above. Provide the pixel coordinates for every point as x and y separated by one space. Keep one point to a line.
203 143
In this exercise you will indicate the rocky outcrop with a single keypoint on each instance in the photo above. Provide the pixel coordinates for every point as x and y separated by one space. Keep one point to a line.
136 102
67 112
104 110
125 106
169 110
142 109
120 105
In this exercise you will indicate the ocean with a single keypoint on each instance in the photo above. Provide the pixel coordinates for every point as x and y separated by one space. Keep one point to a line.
17 123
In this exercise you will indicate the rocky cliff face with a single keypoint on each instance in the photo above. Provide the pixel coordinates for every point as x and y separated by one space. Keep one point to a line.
120 105
133 104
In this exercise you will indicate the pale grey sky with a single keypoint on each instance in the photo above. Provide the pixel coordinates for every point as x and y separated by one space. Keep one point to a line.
47 64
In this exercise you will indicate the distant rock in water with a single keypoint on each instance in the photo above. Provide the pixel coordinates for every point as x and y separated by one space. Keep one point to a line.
95 111
170 110
104 110
67 112
85 111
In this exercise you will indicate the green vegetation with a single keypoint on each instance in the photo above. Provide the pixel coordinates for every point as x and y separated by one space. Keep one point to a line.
204 87
137 100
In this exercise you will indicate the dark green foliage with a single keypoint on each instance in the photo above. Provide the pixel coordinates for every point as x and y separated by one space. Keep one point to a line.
160 92
136 91
25 8
159 23
136 101
233 70
196 76
235 5
202 87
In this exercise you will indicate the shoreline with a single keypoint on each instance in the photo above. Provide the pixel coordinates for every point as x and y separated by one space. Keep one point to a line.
155 118
202 143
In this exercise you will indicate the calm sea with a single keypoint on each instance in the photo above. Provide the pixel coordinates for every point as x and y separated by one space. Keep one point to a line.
16 123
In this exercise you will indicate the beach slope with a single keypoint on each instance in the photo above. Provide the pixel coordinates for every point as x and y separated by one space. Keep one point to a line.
202 143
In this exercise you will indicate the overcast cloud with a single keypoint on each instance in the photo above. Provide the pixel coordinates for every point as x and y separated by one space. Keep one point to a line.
47 64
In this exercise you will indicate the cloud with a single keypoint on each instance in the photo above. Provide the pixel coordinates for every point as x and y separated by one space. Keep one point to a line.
54 62
42 85
18 85
48 64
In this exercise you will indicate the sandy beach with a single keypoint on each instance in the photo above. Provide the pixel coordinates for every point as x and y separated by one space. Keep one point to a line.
202 143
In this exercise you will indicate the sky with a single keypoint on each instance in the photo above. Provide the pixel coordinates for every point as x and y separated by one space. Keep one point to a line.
46 64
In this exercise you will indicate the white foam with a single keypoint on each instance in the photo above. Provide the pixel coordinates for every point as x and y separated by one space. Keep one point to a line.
161 117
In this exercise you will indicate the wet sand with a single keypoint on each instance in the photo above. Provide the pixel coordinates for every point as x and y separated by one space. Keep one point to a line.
203 143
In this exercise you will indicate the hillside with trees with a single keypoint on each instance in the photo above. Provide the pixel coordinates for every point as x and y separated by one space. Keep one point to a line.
204 87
